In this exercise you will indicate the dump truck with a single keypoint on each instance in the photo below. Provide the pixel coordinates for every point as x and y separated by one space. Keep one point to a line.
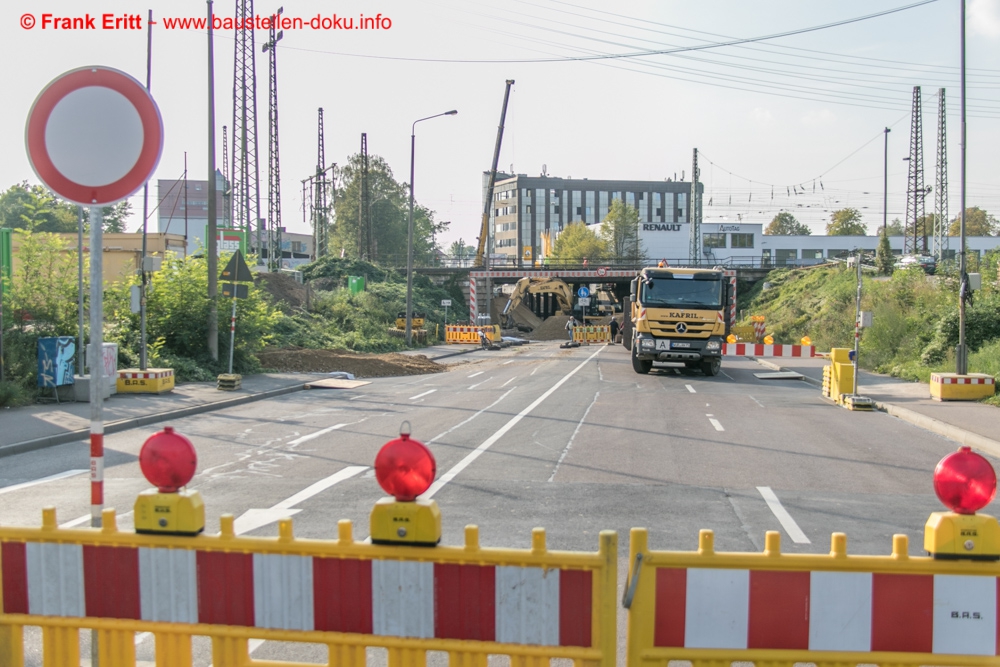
678 315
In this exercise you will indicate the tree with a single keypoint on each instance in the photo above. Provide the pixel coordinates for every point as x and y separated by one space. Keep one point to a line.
883 254
389 205
785 224
115 216
846 222
620 233
577 242
460 250
895 228
977 223
35 209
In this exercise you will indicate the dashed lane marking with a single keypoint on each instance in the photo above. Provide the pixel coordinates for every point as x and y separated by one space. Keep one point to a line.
479 383
311 436
475 374
716 423
508 382
422 395
784 518
691 389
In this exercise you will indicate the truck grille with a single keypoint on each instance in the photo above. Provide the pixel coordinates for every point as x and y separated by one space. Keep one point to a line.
695 329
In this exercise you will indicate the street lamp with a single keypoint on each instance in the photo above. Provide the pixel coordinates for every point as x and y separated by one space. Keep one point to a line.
409 234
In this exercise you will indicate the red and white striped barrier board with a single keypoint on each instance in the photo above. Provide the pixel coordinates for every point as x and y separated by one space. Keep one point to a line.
826 611
506 604
944 379
145 375
473 306
754 350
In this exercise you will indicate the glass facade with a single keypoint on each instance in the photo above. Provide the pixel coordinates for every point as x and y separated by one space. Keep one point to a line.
713 240
741 241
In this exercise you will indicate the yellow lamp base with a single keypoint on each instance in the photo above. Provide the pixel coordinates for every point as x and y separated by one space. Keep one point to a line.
181 513
948 535
416 523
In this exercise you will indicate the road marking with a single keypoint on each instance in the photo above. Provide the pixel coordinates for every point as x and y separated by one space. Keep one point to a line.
784 518
691 389
76 522
469 419
475 374
311 436
727 375
569 444
255 518
715 423
42 480
509 362
508 382
756 401
423 394
536 370
478 451
356 397
483 382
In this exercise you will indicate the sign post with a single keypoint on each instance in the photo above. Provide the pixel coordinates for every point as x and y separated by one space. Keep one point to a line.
584 301
236 271
446 303
93 136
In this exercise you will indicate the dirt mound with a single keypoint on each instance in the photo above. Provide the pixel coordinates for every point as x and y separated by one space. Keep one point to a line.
361 365
553 328
283 287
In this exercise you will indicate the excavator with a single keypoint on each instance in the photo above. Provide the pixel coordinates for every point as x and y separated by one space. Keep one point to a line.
526 285
484 232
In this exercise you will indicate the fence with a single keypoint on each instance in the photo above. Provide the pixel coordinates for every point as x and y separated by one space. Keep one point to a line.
592 333
472 602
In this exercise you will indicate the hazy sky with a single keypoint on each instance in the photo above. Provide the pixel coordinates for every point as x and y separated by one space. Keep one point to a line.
803 111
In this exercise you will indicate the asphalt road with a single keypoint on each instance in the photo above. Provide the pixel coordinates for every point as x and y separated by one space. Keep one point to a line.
570 440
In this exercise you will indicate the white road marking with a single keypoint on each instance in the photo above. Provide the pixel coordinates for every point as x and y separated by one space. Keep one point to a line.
509 362
716 424
42 480
536 370
311 436
76 522
784 518
691 389
431 391
756 401
475 374
727 375
356 397
478 451
469 419
479 383
569 444
508 382
142 636
255 518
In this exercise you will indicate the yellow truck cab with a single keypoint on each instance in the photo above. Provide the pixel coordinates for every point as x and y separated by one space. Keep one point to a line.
678 315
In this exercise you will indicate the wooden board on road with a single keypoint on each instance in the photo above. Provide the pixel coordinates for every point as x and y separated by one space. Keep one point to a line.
778 375
336 383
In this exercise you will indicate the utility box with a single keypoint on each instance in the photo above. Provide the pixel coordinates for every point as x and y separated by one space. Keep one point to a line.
865 319
356 284
152 263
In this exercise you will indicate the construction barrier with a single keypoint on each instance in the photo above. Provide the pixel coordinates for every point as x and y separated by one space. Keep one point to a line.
454 333
531 604
955 387
838 375
592 334
753 350
745 333
758 327
772 608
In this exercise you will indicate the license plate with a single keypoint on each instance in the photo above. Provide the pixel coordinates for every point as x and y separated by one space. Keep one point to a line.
676 344
663 345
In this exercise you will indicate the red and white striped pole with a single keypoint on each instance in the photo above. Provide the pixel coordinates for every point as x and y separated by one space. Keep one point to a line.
96 359
232 331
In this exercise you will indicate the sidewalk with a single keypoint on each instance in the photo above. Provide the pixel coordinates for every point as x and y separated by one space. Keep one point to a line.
967 422
37 426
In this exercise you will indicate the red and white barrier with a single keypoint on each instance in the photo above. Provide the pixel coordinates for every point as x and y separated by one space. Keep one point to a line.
756 350
507 604
826 611
945 379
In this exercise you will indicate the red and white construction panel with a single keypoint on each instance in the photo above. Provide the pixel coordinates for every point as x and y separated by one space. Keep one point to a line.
755 350
595 274
506 604
826 611
941 378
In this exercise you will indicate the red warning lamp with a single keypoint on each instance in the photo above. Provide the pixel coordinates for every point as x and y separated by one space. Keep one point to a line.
965 481
405 468
168 460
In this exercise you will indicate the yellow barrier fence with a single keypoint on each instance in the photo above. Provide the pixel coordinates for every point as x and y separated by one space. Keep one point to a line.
592 334
469 601
778 609
455 333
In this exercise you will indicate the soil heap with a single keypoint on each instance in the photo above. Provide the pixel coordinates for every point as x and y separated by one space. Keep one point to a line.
283 287
361 365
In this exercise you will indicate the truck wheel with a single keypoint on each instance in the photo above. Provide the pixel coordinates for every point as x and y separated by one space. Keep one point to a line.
712 366
639 365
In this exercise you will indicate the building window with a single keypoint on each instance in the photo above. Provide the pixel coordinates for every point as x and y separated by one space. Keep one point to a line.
555 209
741 241
579 210
658 212
716 240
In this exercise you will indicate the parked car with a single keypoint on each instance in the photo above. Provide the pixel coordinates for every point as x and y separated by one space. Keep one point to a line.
927 262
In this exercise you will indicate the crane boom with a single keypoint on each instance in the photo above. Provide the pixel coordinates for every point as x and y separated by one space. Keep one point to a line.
484 231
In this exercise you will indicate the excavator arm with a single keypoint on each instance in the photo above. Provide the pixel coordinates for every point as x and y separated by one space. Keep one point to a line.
484 232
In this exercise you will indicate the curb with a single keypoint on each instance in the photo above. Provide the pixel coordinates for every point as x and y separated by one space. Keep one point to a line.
959 435
135 422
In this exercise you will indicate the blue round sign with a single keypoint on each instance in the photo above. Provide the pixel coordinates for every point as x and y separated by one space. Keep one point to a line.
583 292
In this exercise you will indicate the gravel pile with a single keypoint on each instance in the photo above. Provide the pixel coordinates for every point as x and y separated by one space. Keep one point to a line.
361 365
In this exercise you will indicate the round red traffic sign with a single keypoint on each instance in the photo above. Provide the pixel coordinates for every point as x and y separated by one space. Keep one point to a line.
94 135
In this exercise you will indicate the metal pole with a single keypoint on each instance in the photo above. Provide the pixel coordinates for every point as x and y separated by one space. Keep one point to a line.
409 246
885 184
211 243
857 325
232 331
96 358
143 361
961 360
79 298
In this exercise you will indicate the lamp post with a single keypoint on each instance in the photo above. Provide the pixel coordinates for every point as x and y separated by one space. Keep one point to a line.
885 183
961 353
409 234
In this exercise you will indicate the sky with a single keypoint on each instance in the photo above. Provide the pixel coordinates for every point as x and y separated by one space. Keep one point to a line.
792 122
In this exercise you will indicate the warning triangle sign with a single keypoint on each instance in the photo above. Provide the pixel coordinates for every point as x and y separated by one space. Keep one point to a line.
236 270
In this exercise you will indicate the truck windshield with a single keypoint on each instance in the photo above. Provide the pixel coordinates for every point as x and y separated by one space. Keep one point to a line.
680 293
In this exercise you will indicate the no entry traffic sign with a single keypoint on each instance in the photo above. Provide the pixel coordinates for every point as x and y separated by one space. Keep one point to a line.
94 135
